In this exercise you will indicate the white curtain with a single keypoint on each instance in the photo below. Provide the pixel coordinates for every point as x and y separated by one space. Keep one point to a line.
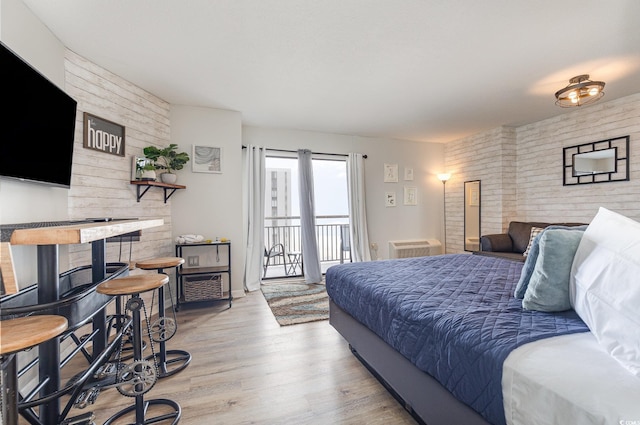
357 209
310 258
254 190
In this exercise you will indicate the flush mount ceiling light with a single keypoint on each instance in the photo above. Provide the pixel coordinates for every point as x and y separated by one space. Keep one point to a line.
580 91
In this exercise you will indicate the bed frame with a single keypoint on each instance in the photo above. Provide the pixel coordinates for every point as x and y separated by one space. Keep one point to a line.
420 394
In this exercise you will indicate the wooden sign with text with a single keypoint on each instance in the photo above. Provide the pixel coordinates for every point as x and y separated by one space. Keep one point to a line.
103 135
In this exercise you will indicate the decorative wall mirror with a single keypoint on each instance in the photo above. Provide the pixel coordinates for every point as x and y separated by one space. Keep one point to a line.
472 215
597 162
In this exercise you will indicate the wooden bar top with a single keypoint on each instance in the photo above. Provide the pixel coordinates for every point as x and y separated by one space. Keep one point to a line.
80 233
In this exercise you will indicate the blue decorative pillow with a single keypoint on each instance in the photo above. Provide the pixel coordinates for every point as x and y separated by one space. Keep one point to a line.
548 288
532 257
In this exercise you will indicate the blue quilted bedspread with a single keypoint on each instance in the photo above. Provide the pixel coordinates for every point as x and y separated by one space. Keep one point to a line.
452 316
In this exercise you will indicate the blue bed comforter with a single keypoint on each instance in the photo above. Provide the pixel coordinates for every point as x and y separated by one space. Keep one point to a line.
452 316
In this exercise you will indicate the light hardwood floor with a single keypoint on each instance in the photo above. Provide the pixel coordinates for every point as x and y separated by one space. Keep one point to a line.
246 369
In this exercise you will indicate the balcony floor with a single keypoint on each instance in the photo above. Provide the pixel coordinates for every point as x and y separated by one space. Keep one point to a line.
277 270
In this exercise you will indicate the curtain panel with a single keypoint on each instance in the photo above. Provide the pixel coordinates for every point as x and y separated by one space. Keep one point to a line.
254 200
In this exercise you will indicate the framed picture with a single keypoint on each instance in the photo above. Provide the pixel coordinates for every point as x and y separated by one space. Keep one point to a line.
390 199
390 173
206 159
137 166
410 195
408 173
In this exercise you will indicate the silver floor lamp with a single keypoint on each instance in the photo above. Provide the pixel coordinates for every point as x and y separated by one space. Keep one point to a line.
443 177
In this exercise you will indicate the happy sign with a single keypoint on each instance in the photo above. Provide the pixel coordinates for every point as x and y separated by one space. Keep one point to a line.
102 135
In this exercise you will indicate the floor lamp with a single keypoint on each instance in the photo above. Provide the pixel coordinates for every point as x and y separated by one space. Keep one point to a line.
443 178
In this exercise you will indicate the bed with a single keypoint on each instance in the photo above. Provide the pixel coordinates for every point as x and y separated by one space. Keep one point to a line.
449 340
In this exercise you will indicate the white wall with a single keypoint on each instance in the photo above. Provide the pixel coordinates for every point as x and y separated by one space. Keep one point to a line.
211 205
385 224
491 158
28 202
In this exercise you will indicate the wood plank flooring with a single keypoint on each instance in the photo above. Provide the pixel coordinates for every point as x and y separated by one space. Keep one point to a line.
246 369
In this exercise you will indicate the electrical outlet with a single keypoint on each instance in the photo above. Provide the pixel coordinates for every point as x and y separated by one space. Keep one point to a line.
193 261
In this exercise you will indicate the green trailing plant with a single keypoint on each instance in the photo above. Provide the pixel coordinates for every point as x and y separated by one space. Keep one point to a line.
166 158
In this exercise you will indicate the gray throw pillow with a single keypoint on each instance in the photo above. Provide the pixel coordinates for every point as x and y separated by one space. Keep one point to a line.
532 257
548 288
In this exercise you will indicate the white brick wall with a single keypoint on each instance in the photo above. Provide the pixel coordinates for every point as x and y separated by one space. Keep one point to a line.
490 158
541 195
521 170
100 183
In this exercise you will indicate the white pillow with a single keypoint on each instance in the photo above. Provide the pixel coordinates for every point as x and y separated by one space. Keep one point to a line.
605 285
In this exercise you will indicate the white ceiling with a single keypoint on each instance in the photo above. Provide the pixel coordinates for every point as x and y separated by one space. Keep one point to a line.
426 70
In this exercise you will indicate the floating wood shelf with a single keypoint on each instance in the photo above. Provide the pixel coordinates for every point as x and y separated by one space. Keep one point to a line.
148 184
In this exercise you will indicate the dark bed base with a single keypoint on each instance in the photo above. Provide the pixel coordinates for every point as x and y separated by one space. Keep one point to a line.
427 401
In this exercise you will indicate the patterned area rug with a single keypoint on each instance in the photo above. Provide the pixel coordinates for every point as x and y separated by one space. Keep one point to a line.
294 302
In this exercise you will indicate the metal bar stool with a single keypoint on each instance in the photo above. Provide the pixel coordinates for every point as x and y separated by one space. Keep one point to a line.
16 335
170 362
138 378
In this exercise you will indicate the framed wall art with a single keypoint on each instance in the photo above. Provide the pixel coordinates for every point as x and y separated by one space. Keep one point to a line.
390 173
390 199
206 159
410 195
408 173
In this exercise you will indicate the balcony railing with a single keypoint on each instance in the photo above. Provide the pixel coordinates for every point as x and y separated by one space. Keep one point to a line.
285 230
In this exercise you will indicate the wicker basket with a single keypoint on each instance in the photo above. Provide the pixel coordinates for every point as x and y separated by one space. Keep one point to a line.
202 288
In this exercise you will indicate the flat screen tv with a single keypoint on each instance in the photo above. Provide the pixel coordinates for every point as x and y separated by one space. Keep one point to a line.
37 125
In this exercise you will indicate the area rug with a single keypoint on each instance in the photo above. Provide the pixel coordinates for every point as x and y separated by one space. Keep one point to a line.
296 302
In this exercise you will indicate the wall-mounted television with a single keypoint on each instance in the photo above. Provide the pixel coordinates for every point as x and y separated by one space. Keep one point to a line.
37 124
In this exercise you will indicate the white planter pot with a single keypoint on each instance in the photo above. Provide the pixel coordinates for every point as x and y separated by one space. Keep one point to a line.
168 178
148 175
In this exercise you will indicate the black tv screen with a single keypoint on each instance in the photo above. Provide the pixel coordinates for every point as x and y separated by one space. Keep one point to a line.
37 124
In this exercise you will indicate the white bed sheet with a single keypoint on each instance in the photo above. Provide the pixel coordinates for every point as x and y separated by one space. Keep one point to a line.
568 379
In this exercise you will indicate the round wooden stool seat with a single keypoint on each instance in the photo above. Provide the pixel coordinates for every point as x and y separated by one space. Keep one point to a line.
130 285
159 263
24 332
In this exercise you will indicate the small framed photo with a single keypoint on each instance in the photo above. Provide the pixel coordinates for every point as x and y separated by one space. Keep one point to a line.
390 173
410 195
408 173
206 159
138 167
390 199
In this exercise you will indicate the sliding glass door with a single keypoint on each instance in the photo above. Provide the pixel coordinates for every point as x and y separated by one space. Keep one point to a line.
283 250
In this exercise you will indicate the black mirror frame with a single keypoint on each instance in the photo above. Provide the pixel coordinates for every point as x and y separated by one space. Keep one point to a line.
620 145
467 202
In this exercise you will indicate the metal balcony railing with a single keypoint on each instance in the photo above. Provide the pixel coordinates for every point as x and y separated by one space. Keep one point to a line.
285 230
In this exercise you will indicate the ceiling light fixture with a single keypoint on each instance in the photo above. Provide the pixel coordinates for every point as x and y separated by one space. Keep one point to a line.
580 91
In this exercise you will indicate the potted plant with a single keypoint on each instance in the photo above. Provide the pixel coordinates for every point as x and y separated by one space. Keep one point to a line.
167 159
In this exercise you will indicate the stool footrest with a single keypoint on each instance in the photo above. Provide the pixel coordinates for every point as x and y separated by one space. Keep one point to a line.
175 361
175 415
84 419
